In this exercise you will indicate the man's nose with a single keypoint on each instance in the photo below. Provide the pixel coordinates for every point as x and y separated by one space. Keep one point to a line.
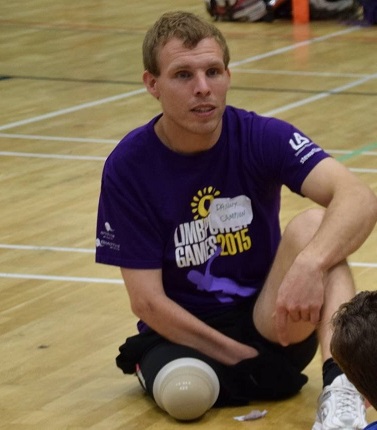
201 84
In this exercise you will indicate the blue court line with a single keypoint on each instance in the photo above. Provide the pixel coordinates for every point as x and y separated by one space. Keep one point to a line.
357 152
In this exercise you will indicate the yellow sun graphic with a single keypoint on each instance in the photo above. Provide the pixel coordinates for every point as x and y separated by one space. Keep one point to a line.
200 203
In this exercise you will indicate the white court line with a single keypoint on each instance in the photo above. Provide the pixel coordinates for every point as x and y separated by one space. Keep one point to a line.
299 73
57 138
86 279
143 90
92 251
30 276
60 278
55 156
73 109
114 142
272 112
294 46
275 111
360 170
102 159
343 151
320 96
369 265
47 248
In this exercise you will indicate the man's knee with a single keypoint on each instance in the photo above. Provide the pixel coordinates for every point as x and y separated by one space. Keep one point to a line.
304 225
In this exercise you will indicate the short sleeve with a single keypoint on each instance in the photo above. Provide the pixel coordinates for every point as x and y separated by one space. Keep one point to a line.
127 235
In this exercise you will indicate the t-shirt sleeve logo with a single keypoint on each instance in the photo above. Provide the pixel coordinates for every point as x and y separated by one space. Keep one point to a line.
298 141
107 238
303 146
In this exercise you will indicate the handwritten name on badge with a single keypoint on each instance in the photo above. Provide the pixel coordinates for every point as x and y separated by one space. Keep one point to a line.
232 213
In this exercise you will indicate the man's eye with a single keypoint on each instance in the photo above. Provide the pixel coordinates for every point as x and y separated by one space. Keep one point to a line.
183 75
213 72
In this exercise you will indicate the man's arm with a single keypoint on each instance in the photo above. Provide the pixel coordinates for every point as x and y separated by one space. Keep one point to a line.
350 216
150 303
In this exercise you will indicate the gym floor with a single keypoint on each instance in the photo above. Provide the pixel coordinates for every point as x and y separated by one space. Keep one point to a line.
70 85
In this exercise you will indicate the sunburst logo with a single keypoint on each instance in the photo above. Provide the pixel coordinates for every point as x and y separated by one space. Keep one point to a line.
200 203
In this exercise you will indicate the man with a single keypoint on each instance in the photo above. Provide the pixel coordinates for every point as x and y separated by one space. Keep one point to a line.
354 346
189 209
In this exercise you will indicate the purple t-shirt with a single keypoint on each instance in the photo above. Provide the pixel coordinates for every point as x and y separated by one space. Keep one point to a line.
371 426
210 221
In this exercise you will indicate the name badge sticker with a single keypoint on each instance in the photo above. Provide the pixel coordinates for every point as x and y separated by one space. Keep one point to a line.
232 213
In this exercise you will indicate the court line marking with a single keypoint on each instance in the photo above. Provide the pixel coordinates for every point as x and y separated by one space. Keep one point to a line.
60 278
47 248
143 90
19 247
54 156
362 151
57 138
360 170
272 112
30 276
137 82
294 46
75 27
348 151
300 73
357 152
320 96
73 109
102 159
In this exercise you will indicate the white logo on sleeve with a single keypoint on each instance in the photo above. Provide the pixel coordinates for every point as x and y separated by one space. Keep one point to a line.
107 238
298 141
108 227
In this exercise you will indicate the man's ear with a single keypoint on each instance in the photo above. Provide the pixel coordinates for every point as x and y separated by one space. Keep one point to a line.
229 76
150 82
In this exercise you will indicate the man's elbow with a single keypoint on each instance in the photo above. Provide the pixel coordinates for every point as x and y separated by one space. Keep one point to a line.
143 308
372 206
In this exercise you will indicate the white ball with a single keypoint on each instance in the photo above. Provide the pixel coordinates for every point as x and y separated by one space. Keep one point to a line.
186 388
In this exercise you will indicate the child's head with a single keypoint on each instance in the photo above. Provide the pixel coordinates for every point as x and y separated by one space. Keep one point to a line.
354 342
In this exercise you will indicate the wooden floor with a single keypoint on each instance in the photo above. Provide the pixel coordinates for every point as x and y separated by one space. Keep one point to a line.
70 88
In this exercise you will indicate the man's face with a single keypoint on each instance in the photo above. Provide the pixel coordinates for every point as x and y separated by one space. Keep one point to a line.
191 88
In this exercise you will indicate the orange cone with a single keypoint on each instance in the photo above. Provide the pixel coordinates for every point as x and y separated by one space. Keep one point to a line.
300 11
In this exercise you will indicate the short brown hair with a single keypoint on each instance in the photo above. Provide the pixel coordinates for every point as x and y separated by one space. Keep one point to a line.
354 342
189 28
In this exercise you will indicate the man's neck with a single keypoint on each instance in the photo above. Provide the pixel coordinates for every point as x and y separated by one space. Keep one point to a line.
185 143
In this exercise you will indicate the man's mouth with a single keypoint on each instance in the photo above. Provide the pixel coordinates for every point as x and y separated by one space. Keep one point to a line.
203 109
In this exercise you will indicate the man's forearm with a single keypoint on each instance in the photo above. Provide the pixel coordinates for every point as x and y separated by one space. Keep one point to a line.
179 326
348 221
